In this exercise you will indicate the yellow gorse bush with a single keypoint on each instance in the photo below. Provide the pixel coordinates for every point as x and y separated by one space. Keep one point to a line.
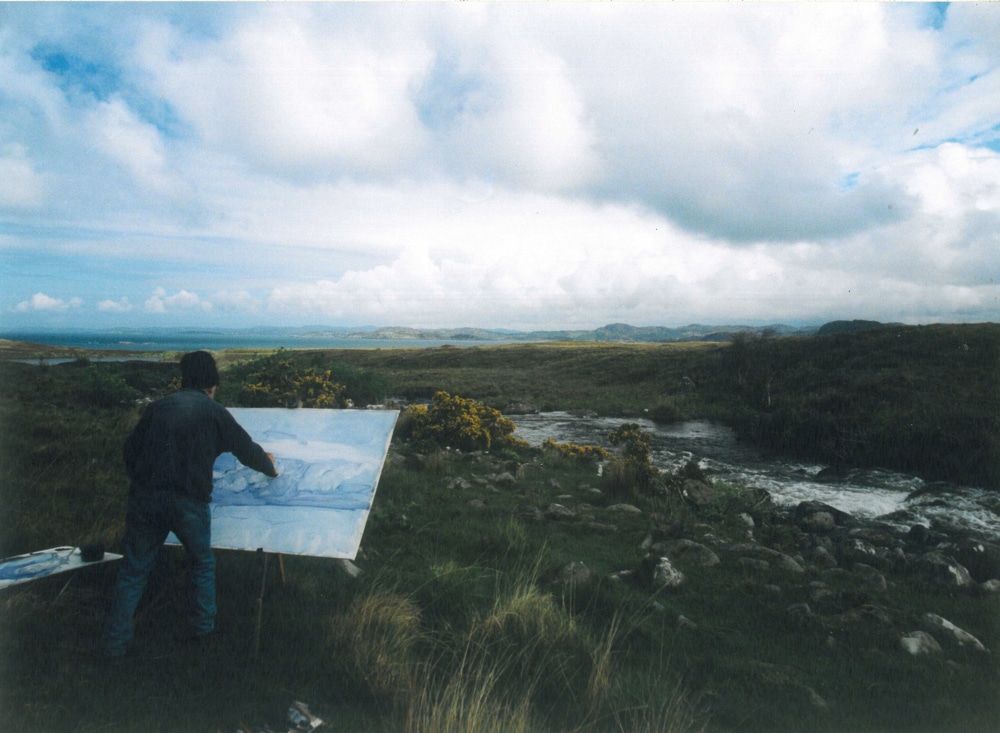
572 450
459 422
279 383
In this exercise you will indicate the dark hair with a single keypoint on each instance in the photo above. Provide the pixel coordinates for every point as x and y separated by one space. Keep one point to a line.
198 371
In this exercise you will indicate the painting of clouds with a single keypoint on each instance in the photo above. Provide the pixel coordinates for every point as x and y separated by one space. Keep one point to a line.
329 463
41 564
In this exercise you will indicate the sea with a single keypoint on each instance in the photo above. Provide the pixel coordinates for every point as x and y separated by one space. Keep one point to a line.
214 340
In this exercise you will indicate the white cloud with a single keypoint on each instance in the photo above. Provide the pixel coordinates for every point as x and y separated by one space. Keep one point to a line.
160 302
43 302
115 306
21 186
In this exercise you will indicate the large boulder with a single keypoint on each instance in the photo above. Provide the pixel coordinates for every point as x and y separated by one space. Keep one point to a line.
698 492
815 516
665 575
981 559
944 570
946 631
687 552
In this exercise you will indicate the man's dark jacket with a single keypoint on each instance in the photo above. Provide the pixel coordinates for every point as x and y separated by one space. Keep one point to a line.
177 440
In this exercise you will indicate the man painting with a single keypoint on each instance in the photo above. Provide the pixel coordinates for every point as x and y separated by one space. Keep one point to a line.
169 458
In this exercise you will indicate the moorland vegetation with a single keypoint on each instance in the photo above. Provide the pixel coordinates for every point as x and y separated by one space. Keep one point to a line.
507 587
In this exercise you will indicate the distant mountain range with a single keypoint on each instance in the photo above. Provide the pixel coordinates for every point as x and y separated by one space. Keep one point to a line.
614 332
177 339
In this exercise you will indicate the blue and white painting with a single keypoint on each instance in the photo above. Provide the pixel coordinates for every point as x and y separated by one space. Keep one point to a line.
41 564
329 463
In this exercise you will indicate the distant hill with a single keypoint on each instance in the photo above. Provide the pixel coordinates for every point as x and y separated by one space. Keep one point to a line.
613 332
855 326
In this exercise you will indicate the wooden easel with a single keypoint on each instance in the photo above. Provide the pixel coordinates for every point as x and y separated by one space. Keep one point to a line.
260 597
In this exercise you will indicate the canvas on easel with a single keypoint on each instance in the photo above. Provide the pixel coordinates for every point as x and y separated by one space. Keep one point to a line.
329 463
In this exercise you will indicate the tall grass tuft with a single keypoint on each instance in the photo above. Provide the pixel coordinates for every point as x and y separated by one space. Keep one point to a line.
471 698
377 638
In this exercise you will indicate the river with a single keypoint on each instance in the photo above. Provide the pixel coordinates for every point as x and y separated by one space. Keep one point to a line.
897 498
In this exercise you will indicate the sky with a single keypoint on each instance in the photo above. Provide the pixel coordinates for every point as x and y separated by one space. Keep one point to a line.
498 165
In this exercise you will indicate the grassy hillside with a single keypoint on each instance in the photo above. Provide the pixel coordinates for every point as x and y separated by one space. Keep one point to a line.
481 606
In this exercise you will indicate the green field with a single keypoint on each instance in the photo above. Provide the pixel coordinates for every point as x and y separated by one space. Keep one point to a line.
463 619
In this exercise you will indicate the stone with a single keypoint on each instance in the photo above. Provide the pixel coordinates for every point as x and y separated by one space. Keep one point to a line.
944 570
873 579
687 552
981 559
942 628
521 408
532 512
746 519
754 565
990 586
625 508
665 575
504 478
698 493
919 642
683 622
575 573
559 512
823 558
600 527
805 511
350 568
477 504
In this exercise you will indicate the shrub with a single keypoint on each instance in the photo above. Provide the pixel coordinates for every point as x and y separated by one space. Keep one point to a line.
572 450
634 464
457 422
274 381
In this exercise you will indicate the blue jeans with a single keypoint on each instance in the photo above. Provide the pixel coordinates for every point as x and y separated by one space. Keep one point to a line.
150 517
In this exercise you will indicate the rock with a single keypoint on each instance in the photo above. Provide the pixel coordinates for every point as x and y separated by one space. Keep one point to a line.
558 512
873 536
759 552
477 504
754 565
698 492
600 527
504 478
990 586
350 568
818 522
799 611
687 552
665 575
981 559
521 408
873 579
830 475
625 508
823 558
459 483
688 384
532 512
575 573
805 516
855 550
919 642
943 570
944 629
683 622
747 520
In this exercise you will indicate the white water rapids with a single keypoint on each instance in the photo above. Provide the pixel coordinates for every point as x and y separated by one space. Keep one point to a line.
864 493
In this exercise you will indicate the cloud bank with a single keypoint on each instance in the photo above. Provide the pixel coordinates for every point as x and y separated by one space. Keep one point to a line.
527 165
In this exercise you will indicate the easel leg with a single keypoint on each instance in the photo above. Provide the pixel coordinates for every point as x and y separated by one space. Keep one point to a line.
260 607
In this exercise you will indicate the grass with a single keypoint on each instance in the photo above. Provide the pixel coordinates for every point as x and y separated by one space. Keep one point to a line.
458 622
